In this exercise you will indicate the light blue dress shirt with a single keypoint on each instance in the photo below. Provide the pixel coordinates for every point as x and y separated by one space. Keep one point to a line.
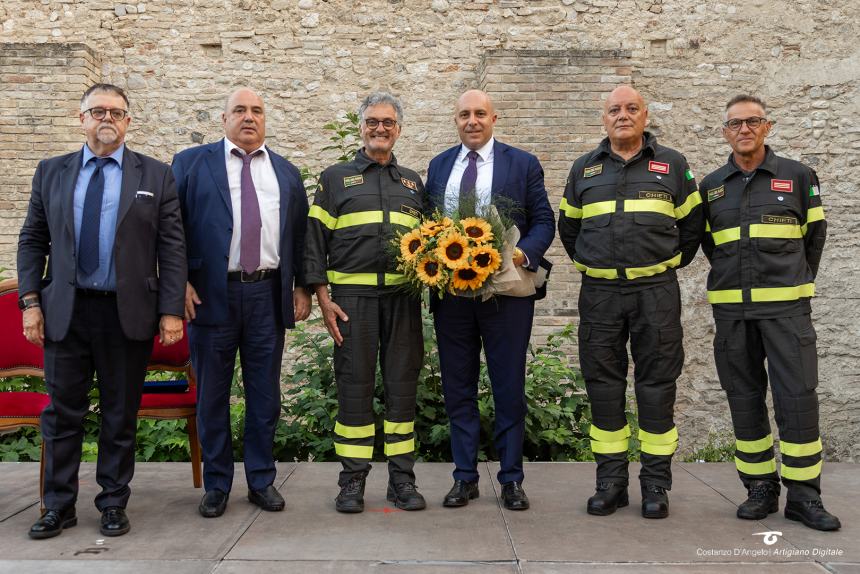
104 277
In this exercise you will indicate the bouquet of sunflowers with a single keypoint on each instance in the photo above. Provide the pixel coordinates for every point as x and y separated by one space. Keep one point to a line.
458 256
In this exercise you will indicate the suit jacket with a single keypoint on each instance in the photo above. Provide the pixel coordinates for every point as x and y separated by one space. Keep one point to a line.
207 213
148 250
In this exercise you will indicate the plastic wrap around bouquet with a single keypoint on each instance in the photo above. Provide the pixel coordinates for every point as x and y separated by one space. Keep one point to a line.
469 256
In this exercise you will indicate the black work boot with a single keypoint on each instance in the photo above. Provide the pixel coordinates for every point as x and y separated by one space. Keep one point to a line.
812 514
351 496
655 501
763 500
405 496
608 497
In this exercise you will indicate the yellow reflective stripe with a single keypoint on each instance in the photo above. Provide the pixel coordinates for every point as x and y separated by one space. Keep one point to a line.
725 296
351 278
685 208
707 226
596 271
358 218
800 449
776 231
324 216
782 293
609 436
353 451
394 278
354 432
598 208
403 219
649 205
398 428
568 210
801 473
754 446
636 272
668 437
813 215
726 235
658 449
758 468
601 447
402 447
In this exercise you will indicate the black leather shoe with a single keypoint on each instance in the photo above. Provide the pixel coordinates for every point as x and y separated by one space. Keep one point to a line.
405 496
351 496
213 504
763 499
114 522
268 499
608 497
52 522
812 514
514 497
461 493
655 501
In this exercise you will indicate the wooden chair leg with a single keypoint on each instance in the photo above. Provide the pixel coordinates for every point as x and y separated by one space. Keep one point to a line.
42 478
194 444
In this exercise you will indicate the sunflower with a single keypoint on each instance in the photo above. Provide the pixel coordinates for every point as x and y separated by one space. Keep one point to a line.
477 229
467 278
485 259
429 271
453 250
411 245
433 227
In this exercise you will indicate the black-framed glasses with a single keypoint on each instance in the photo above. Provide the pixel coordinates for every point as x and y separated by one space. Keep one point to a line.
373 123
752 123
116 114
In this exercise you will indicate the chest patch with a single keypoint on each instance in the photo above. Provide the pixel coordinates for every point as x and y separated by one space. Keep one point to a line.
408 183
782 185
352 180
410 211
779 220
658 167
661 195
716 193
593 170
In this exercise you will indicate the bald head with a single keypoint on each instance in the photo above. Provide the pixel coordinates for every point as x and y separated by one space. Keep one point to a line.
244 119
624 117
475 117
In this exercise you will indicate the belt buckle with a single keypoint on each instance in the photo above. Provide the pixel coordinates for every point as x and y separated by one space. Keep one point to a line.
243 275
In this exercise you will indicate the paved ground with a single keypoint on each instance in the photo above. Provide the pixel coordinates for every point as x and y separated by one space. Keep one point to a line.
556 536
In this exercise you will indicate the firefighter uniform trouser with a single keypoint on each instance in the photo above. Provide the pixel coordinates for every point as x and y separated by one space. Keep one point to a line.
788 343
651 318
388 327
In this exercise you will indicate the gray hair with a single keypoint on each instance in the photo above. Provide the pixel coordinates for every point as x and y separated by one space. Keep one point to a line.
106 88
379 98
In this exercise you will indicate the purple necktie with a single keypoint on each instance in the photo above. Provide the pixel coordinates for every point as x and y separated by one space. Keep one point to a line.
249 248
467 184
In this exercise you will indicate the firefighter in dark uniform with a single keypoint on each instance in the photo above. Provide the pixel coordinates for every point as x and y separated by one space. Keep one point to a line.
356 212
765 232
631 215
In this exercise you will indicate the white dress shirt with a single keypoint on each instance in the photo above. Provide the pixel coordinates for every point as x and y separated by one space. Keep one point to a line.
484 185
269 197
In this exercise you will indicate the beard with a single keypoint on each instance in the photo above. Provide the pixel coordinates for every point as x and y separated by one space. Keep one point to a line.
107 135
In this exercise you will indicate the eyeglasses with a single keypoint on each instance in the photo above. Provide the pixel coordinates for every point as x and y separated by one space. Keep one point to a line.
752 123
116 114
373 123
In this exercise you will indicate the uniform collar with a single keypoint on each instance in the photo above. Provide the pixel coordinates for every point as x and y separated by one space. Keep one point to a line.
649 143
363 161
769 164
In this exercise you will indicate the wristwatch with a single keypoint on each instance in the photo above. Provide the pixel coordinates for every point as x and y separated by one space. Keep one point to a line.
28 303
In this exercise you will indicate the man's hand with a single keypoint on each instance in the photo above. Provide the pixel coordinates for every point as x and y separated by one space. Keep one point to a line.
518 257
34 326
301 303
191 299
170 330
331 312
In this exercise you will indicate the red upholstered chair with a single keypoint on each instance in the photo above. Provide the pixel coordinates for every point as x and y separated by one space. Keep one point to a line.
177 405
18 357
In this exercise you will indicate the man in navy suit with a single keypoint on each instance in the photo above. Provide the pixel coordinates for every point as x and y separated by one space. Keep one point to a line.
245 210
483 171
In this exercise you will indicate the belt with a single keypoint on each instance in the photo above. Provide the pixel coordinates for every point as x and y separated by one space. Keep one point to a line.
95 293
258 275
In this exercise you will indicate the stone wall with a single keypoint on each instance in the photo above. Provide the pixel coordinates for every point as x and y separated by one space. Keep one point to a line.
548 63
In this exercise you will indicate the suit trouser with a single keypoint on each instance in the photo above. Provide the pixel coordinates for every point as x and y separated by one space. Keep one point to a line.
503 325
254 329
388 327
788 344
651 319
95 343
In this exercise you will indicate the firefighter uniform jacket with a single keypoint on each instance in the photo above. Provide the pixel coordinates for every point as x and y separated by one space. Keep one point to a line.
630 224
356 212
765 232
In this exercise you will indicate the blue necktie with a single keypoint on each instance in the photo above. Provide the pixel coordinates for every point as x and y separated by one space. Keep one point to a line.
88 249
468 198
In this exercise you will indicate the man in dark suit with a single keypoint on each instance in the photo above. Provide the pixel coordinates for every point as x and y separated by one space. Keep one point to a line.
107 220
245 211
482 171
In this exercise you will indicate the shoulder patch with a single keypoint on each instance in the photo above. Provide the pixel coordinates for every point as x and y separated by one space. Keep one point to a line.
782 185
716 193
352 180
658 167
814 190
409 184
593 170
